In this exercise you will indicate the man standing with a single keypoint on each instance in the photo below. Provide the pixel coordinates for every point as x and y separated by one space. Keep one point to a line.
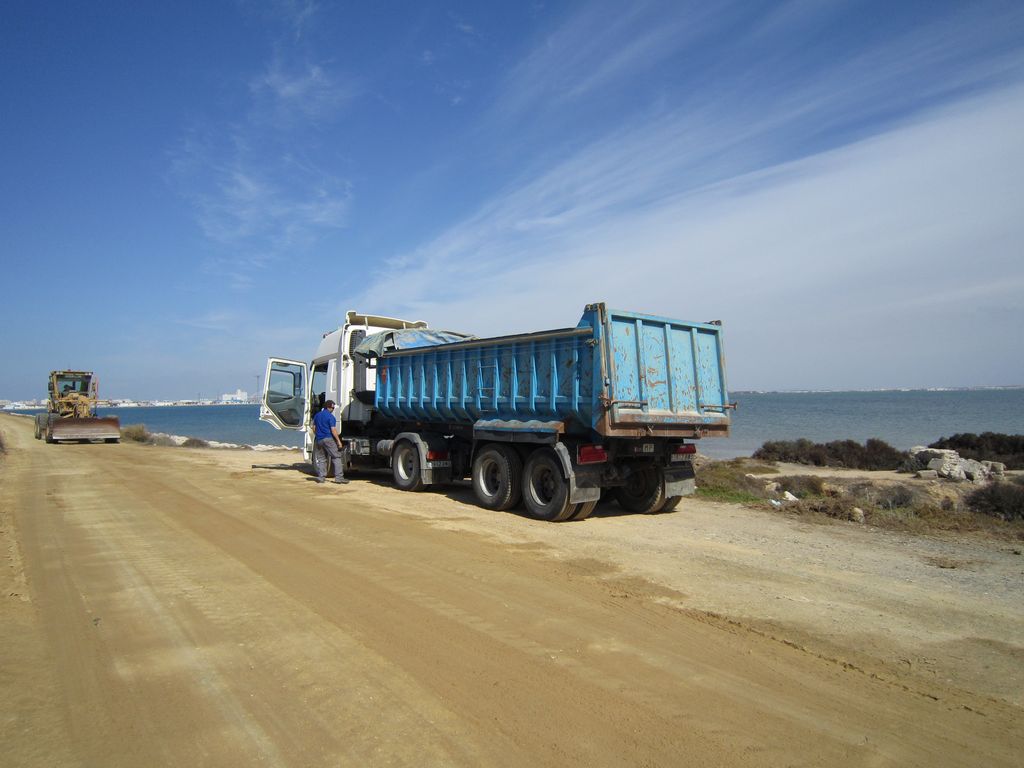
328 443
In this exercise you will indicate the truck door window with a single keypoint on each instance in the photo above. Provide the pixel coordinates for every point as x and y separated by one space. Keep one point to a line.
284 393
318 389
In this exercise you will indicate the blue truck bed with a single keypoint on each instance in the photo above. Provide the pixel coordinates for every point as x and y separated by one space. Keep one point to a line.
616 374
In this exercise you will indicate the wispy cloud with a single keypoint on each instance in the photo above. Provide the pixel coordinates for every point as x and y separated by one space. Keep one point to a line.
295 15
307 92
818 251
221 321
463 27
257 184
599 44
740 64
276 204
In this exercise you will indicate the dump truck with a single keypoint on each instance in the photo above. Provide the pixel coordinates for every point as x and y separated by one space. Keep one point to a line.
553 419
71 410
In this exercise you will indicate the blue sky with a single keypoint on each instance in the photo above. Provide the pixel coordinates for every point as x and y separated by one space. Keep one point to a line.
189 188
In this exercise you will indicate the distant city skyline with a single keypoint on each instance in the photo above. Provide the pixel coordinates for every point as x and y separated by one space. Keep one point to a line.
188 190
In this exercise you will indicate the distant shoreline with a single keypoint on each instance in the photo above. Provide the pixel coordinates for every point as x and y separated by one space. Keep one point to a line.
135 404
890 390
878 390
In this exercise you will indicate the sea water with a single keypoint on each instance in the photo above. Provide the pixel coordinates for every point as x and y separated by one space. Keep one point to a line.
901 418
224 423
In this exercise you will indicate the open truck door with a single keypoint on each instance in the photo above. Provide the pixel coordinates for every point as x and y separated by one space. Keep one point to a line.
283 405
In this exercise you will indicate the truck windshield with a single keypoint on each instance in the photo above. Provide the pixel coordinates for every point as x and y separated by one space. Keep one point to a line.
73 384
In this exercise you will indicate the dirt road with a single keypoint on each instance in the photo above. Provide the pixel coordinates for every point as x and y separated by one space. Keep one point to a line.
170 606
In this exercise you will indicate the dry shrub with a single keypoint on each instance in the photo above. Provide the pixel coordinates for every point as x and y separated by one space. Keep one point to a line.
888 496
803 486
874 454
837 507
195 442
136 433
988 446
999 499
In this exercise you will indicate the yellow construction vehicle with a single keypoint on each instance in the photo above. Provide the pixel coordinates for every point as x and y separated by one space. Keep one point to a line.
71 411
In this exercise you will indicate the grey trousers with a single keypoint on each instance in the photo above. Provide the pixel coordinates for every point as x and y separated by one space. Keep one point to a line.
324 451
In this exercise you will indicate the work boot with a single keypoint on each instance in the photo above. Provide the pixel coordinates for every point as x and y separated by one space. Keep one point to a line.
341 481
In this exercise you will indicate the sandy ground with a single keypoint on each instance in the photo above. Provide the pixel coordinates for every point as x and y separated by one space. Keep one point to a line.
168 606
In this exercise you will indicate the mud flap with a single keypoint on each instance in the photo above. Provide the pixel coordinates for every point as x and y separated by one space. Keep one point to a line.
679 480
431 472
584 482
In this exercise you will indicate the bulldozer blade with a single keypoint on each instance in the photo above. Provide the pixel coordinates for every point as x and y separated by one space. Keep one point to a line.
106 428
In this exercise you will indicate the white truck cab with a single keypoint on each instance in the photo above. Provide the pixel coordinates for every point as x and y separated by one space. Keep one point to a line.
294 391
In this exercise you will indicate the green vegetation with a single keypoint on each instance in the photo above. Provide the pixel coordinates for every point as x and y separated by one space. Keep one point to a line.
136 433
874 454
988 446
728 481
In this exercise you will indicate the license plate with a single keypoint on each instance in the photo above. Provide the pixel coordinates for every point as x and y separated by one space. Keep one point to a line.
680 457
438 464
647 448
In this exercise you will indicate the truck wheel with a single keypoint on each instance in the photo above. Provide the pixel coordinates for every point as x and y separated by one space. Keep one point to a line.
583 510
39 431
498 477
670 503
643 492
405 467
545 491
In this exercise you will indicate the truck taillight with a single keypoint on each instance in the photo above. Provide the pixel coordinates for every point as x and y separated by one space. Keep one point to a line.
437 455
687 448
591 454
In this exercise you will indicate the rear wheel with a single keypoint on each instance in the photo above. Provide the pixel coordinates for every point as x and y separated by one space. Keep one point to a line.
643 492
583 510
670 503
498 477
545 490
405 467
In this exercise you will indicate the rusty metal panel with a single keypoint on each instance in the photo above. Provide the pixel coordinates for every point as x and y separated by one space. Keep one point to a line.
663 373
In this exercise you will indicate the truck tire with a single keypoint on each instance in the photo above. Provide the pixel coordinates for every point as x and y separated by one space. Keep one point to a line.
39 427
498 477
545 490
583 510
670 503
643 492
405 467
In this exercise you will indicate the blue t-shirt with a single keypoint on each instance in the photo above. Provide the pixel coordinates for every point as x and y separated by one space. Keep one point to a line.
323 422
